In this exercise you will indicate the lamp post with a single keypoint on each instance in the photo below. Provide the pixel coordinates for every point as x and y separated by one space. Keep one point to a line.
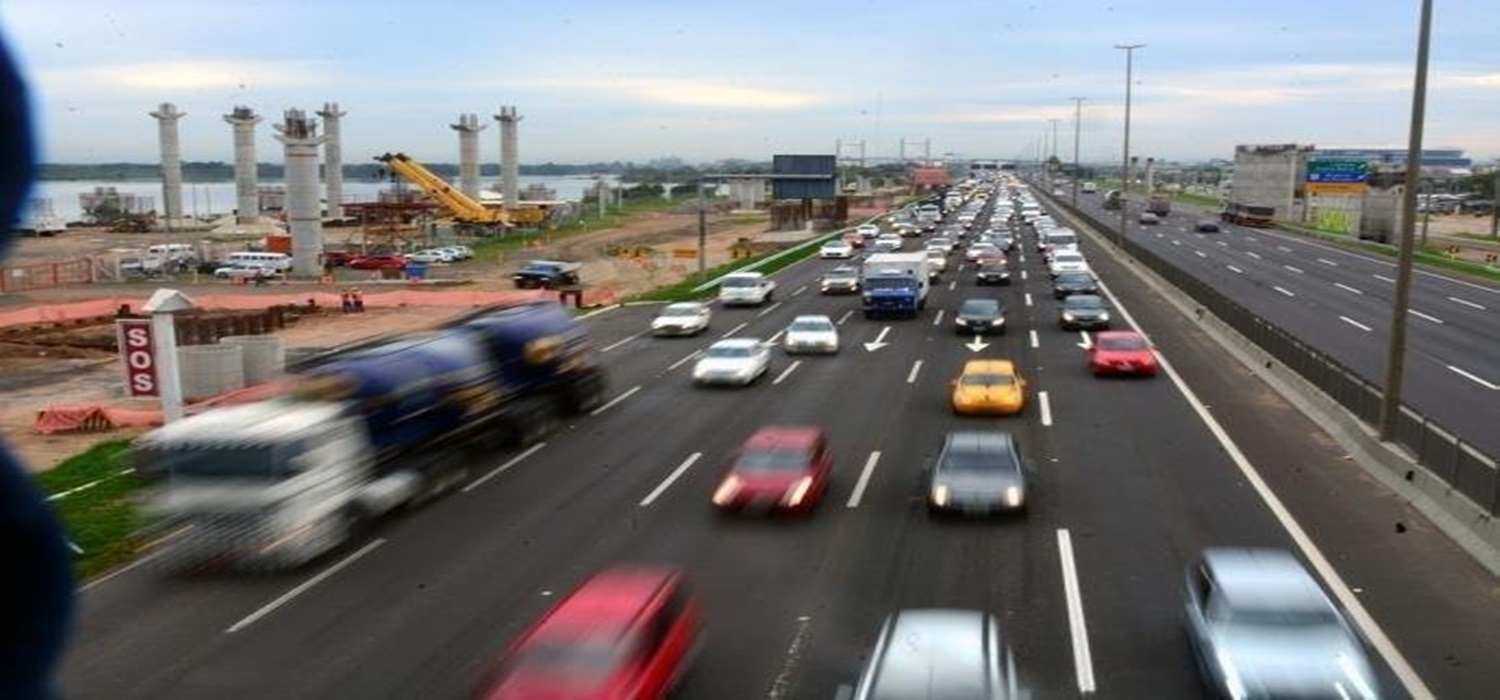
1077 125
1125 185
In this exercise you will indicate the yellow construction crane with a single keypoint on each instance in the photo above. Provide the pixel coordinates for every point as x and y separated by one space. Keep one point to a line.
465 210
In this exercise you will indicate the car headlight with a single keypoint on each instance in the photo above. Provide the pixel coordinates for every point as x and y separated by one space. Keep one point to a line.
798 491
699 372
1013 496
727 490
1069 317
940 496
960 321
1103 315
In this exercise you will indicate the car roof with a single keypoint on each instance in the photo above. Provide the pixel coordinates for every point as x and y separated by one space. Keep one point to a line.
1111 335
989 367
608 603
746 274
812 317
1256 578
694 305
736 343
952 647
784 437
978 301
1081 299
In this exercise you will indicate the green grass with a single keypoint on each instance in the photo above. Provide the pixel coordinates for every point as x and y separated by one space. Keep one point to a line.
589 222
683 291
101 520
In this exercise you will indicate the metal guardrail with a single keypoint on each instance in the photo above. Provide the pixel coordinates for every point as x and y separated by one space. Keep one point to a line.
1457 463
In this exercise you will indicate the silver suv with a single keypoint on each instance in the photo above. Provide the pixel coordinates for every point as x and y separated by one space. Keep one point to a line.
933 653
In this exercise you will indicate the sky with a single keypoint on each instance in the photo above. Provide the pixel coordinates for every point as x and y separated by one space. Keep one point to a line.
605 80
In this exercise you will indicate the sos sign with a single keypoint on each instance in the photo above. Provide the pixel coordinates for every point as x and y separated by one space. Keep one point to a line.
138 352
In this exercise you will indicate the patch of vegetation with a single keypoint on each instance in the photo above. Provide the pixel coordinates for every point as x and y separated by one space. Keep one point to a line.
101 519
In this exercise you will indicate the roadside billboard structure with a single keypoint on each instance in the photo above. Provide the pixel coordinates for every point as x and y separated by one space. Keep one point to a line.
1337 176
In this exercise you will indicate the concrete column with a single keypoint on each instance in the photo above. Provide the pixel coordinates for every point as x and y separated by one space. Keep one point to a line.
303 218
247 199
510 154
171 163
1150 175
468 128
333 159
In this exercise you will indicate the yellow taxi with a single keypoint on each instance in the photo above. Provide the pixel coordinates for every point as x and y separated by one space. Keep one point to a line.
989 386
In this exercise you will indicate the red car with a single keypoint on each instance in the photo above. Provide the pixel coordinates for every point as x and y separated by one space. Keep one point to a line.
853 238
779 468
1121 353
628 632
377 262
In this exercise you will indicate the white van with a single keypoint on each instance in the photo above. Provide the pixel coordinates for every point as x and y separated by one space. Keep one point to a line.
276 261
173 251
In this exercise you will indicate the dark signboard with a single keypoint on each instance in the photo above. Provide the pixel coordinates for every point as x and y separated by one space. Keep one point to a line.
803 177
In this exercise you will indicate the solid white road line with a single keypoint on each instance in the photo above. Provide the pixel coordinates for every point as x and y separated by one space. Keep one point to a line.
864 480
1036 342
684 360
953 285
1235 270
845 317
937 320
1326 261
497 471
663 486
1028 298
772 340
1176 242
1346 287
623 341
1283 249
1289 268
1285 291
300 589
736 329
1383 278
1223 244
1419 314
1253 254
610 404
1355 323
1046 406
769 309
1466 302
1471 377
911 377
1023 275
1083 659
787 371
793 655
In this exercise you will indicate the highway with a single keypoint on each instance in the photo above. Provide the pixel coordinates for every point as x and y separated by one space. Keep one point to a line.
1340 302
1131 479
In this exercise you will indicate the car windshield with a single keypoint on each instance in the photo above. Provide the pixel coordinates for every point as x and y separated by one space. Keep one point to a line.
1083 302
1068 258
987 380
889 283
739 282
1075 278
772 461
1132 342
969 460
811 324
577 661
675 311
980 307
729 351
841 274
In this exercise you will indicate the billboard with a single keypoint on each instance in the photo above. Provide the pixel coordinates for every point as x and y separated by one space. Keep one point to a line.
1337 175
138 352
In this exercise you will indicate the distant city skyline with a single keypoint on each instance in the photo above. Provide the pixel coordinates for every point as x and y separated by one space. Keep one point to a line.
704 81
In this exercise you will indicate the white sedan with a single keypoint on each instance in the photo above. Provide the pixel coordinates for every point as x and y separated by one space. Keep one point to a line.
811 333
682 318
430 256
733 361
836 250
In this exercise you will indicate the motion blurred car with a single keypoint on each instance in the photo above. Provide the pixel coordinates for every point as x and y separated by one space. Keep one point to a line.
682 318
1069 283
978 473
932 653
778 468
836 250
868 230
854 239
626 632
377 262
979 316
989 387
1083 312
1207 226
732 361
937 262
1066 261
981 249
1261 627
992 271
747 288
1148 219
1121 353
811 333
888 242
843 279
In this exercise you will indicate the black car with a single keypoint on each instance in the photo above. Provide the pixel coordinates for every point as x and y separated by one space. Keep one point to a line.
978 472
976 316
992 271
1070 283
843 279
1084 312
1207 226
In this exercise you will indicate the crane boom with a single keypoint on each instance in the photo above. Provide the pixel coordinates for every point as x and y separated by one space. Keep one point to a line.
465 209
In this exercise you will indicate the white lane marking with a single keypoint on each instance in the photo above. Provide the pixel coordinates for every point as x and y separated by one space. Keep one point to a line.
285 598
1253 254
1283 249
1289 268
76 489
1083 660
1252 239
610 404
1285 291
1023 275
1200 254
1326 261
1046 405
1084 341
953 285
684 360
789 369
800 290
1028 298
1383 278
911 378
497 471
769 309
938 319
793 655
1346 287
864 480
1235 270
1466 302
1361 617
776 337
618 343
1355 323
1471 377
845 317
736 329
1223 244
1035 341
1176 242
1429 317
664 485
151 547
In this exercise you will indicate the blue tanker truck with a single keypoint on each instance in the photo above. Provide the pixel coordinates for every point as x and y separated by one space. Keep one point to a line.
361 433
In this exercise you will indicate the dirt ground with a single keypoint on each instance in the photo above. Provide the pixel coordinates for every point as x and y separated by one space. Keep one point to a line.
33 378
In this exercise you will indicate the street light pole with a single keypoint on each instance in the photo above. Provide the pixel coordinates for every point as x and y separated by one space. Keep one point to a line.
1077 125
1390 406
1125 185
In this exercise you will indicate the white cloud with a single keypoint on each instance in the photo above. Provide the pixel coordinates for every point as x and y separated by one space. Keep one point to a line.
681 92
156 79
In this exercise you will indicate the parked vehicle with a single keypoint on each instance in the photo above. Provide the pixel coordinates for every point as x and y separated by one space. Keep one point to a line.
361 433
894 284
547 274
378 262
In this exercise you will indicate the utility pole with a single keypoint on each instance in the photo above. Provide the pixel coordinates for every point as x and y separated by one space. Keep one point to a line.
1125 186
702 235
1077 126
1390 406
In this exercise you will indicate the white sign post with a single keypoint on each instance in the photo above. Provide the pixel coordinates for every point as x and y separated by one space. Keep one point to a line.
161 305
